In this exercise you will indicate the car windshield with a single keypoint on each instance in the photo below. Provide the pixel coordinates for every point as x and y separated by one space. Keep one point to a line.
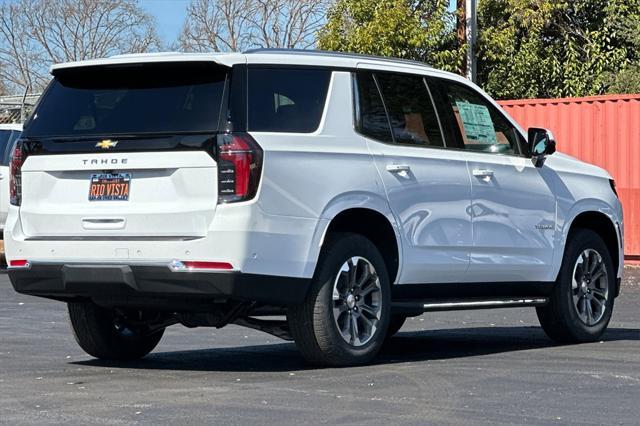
140 99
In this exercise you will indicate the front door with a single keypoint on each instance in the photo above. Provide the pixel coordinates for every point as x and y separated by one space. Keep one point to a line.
513 209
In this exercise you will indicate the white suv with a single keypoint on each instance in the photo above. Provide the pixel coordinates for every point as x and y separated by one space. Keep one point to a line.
9 134
343 191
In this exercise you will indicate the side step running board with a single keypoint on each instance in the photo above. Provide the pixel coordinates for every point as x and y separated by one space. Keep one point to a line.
433 305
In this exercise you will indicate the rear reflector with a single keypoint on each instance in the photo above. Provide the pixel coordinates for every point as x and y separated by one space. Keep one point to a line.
19 264
195 266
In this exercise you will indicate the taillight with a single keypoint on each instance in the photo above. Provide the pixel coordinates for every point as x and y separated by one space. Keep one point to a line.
15 178
239 166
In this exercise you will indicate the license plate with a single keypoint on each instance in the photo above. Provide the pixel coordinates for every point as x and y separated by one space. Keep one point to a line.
109 187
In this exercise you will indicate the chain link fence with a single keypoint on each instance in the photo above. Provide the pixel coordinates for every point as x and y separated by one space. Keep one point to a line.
16 109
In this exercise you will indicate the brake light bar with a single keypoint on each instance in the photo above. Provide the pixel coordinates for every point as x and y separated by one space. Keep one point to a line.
199 266
19 264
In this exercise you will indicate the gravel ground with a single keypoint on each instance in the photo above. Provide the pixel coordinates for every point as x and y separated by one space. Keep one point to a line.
483 367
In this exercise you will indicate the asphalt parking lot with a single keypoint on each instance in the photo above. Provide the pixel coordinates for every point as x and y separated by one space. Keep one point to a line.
447 368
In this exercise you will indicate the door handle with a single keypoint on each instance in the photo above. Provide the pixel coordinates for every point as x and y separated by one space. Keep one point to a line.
395 168
1 176
483 173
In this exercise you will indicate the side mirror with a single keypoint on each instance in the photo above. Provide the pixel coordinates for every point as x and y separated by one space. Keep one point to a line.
541 144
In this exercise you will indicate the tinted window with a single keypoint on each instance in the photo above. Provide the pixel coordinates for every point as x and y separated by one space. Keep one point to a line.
5 135
7 139
286 100
156 98
372 117
480 125
411 112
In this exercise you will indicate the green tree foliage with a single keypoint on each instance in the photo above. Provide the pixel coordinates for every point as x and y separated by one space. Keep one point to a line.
625 81
422 30
559 48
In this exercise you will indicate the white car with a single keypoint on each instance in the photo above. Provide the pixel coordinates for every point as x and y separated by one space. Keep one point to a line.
344 192
9 134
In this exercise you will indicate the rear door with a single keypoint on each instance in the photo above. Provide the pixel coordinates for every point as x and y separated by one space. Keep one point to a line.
124 152
513 207
428 187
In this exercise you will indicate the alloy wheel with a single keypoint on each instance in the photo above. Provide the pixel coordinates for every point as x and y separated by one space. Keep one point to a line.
357 301
590 287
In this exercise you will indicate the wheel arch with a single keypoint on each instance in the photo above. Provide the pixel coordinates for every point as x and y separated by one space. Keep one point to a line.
603 225
372 220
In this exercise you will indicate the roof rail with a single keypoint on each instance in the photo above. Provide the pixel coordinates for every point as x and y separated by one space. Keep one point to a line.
334 54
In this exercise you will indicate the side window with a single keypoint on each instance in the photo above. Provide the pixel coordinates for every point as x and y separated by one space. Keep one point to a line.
372 117
411 112
8 149
286 100
7 146
5 141
481 126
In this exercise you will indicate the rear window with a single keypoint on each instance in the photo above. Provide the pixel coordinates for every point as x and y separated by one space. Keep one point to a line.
411 113
286 100
140 99
372 117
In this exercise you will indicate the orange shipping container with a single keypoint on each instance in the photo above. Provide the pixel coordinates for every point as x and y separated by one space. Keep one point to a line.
602 130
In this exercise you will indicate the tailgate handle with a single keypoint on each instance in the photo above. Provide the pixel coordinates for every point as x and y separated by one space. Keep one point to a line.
99 224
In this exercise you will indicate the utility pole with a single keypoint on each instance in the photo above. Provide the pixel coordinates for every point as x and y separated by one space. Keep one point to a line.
461 7
467 34
472 35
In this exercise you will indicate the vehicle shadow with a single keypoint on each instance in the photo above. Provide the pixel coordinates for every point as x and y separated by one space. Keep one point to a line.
404 347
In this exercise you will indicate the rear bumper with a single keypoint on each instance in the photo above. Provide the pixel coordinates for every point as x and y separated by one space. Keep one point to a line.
157 286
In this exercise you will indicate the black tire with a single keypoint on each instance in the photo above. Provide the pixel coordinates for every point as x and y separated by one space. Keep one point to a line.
560 318
94 328
395 324
312 323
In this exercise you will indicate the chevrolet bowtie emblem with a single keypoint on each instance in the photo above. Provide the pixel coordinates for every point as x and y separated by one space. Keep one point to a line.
106 144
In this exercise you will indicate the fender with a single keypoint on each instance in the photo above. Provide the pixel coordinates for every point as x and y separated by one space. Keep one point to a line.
585 206
341 203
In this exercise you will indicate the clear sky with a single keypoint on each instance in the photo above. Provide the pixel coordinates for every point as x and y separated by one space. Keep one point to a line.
169 16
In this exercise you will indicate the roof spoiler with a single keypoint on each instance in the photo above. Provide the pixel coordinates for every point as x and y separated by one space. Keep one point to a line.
224 59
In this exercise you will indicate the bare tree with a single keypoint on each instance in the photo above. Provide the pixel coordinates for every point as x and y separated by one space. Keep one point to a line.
36 33
18 53
220 25
234 25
